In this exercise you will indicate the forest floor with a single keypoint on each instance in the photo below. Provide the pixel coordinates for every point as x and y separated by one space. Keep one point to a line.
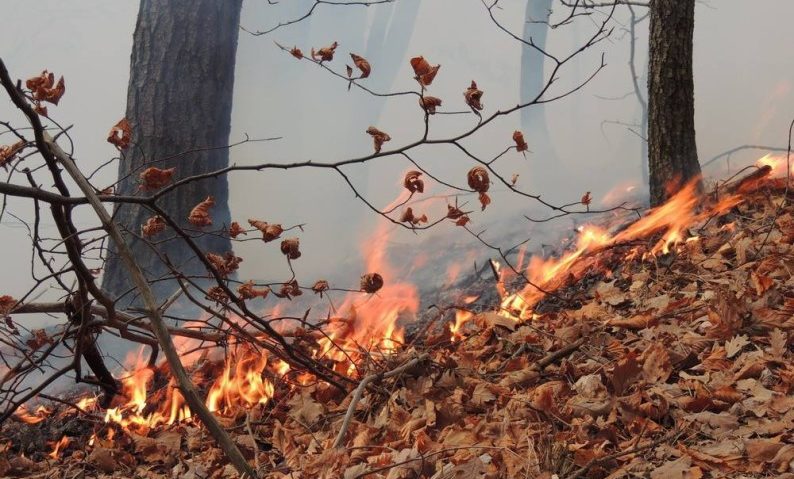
670 366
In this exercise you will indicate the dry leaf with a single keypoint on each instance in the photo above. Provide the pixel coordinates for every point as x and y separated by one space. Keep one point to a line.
44 87
362 64
154 225
199 215
587 199
120 135
408 217
423 71
226 264
270 231
429 104
473 97
247 290
297 53
521 145
290 248
325 54
7 152
236 230
371 283
154 178
320 287
378 138
413 183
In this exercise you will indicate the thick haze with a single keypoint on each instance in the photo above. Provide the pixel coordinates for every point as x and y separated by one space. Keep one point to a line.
743 79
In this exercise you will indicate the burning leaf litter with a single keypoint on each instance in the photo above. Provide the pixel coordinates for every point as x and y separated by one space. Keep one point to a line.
659 350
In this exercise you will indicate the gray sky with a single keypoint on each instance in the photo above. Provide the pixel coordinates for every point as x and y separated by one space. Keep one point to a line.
743 76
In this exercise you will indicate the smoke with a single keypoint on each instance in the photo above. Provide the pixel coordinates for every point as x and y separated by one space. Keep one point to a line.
743 95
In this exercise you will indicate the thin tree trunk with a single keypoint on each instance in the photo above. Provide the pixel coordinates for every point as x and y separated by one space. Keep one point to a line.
179 100
672 151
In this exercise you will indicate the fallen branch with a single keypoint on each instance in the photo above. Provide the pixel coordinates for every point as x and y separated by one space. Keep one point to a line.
363 386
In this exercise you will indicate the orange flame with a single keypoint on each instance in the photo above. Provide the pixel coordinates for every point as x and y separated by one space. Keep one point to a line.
58 447
672 218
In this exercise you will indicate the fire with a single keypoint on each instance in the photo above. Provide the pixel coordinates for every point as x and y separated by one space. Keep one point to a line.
242 382
371 322
462 317
776 162
672 219
35 417
58 447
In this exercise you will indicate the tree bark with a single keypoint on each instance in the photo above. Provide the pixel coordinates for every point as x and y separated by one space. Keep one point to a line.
672 152
179 100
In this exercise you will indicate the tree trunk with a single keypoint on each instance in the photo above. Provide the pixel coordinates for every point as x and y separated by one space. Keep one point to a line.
179 100
672 152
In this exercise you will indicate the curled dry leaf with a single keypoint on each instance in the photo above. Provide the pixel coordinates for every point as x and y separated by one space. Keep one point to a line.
288 290
247 290
473 97
429 104
8 151
480 182
270 231
44 87
154 225
297 53
291 248
325 54
362 64
200 215
478 179
7 303
236 230
587 199
371 283
154 178
456 214
226 264
378 137
413 183
521 145
408 217
349 71
217 295
120 135
514 179
320 287
425 73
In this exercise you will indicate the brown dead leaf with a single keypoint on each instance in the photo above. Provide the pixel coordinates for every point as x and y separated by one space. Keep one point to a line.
378 138
473 97
325 54
521 144
413 183
429 104
236 230
423 71
154 225
362 64
291 248
270 231
371 283
200 215
154 178
248 290
120 135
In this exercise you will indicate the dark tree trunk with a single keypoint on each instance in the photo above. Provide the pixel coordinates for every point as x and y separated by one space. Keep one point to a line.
672 152
179 99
